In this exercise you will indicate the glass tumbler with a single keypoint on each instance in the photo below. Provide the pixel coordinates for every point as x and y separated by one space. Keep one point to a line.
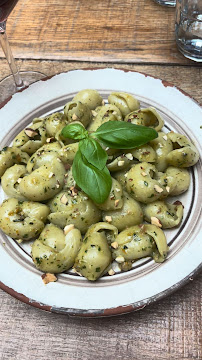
188 28
170 3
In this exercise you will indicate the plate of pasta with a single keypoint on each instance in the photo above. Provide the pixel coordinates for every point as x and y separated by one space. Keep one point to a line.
100 192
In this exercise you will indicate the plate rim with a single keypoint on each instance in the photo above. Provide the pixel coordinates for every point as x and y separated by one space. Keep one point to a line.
120 309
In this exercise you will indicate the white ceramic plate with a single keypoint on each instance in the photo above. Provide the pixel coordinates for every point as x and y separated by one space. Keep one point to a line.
147 281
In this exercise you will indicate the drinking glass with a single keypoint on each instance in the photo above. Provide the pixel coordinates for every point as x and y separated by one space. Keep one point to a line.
16 80
170 3
188 28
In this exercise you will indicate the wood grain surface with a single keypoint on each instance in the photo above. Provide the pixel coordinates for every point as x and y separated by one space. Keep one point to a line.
167 330
130 31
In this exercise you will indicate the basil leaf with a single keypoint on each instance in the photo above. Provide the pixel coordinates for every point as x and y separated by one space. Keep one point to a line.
124 135
94 182
93 152
74 131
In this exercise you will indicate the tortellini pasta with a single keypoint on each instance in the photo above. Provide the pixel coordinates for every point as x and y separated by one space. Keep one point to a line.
164 214
95 256
31 138
141 241
69 230
55 123
11 179
146 117
103 114
73 207
184 153
124 102
22 219
141 184
54 251
44 182
130 214
89 97
75 110
10 156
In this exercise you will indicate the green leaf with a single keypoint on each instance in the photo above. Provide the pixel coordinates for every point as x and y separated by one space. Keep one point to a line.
93 152
124 135
94 182
74 131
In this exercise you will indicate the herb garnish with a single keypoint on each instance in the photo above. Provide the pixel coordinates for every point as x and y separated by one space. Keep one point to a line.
89 165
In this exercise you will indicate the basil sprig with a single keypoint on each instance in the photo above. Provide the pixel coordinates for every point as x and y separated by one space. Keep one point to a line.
94 182
124 135
89 165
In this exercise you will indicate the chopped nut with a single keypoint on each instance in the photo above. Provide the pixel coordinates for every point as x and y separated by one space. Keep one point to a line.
94 113
59 160
125 175
50 139
31 132
116 202
120 259
155 221
143 173
51 175
19 180
19 241
58 184
158 188
160 145
111 272
168 188
74 191
68 228
165 137
129 156
115 245
64 199
117 189
108 218
76 272
120 163
107 148
74 117
48 278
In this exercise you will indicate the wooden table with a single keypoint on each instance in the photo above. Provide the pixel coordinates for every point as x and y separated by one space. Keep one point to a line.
53 36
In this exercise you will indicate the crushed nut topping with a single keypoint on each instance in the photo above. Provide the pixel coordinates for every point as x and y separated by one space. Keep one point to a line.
111 272
119 259
158 188
129 156
115 245
168 188
19 180
120 163
94 113
165 137
31 132
50 139
143 173
116 202
155 221
64 199
108 218
74 191
68 228
47 278
51 175
74 117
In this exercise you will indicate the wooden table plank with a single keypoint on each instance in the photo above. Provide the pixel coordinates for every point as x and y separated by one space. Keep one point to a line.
107 31
167 330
